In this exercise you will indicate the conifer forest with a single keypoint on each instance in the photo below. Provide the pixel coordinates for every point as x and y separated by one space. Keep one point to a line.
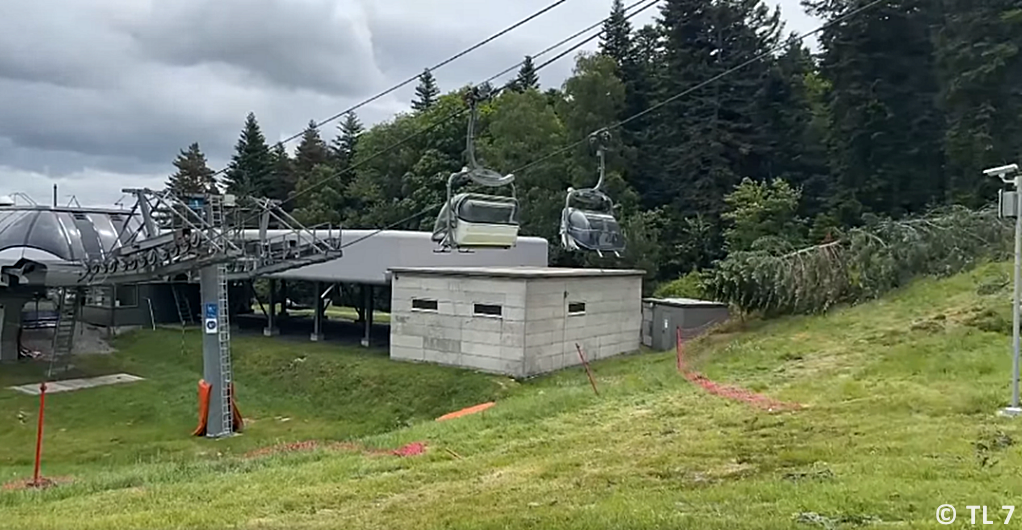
745 166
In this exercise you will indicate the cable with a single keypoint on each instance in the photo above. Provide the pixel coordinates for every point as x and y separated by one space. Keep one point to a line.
462 112
570 38
437 66
393 225
561 55
713 79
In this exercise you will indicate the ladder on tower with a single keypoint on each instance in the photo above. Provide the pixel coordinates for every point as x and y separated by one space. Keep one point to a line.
67 320
184 309
216 219
224 339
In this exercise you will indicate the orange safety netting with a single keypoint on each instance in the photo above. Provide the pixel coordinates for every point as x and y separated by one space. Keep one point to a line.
728 391
466 411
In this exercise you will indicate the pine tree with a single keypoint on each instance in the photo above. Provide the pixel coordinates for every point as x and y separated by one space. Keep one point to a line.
426 93
250 168
698 147
193 175
316 186
312 151
797 153
282 180
886 132
344 144
527 77
981 74
616 39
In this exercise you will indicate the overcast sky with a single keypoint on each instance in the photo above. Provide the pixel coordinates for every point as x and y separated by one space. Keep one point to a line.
99 95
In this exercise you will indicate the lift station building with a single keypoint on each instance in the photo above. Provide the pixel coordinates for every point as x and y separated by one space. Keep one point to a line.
517 321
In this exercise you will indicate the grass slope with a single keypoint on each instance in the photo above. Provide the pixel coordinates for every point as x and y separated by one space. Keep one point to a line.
901 396
286 392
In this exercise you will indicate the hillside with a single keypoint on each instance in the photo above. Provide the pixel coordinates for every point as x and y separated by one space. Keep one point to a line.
900 398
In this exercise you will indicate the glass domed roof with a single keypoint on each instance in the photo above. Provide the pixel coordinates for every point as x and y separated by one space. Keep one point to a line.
72 235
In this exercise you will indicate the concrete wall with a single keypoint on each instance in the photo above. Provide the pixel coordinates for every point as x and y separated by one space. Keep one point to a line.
664 319
534 334
610 324
647 324
453 334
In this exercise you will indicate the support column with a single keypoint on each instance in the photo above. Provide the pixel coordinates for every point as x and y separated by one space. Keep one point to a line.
9 330
367 310
271 315
317 318
211 367
283 298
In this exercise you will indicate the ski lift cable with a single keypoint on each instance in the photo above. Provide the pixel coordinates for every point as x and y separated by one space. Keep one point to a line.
703 84
459 114
437 66
570 38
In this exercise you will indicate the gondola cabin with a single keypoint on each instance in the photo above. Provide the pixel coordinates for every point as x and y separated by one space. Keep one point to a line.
593 231
471 220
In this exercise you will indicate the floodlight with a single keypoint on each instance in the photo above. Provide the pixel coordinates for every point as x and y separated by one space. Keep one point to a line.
1002 172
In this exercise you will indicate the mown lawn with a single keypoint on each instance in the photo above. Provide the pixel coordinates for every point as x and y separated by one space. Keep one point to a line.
900 418
286 392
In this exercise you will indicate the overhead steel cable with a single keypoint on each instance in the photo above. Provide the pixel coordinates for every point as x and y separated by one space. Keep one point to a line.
455 115
437 66
703 84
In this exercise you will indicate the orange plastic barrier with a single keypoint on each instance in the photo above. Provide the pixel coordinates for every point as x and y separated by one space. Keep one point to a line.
204 393
465 412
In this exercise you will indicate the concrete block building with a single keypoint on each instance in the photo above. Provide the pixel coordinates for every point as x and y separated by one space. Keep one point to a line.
517 321
663 317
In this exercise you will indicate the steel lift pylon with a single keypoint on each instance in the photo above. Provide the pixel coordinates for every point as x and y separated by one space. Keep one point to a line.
166 235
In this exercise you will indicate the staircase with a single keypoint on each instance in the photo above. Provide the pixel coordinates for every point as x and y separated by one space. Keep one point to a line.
67 320
184 310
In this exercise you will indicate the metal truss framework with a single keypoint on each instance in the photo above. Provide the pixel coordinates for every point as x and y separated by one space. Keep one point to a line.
207 235
184 233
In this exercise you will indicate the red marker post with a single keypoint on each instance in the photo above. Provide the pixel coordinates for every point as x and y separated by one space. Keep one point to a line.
36 480
679 348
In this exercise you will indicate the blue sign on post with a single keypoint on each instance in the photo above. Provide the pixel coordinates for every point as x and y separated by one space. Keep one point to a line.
212 324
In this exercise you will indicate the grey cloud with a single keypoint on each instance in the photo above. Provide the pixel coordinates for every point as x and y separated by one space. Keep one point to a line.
312 44
59 43
102 94
97 123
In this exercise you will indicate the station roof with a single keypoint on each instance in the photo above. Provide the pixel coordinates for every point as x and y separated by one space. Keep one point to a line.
370 256
684 302
60 234
64 238
522 272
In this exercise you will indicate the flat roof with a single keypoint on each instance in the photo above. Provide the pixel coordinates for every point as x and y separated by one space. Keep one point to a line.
516 272
369 256
684 302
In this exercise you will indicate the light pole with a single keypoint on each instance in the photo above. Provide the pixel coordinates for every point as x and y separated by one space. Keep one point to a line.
1009 206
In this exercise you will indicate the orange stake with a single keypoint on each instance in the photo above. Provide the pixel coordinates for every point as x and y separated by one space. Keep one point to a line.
585 363
679 349
39 436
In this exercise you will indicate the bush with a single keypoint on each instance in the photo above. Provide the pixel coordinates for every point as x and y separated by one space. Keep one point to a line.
688 286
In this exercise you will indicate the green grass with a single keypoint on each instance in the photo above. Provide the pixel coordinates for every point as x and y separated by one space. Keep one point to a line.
286 392
901 395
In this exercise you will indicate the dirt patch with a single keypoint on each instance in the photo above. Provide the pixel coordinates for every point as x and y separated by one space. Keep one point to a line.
412 449
30 484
